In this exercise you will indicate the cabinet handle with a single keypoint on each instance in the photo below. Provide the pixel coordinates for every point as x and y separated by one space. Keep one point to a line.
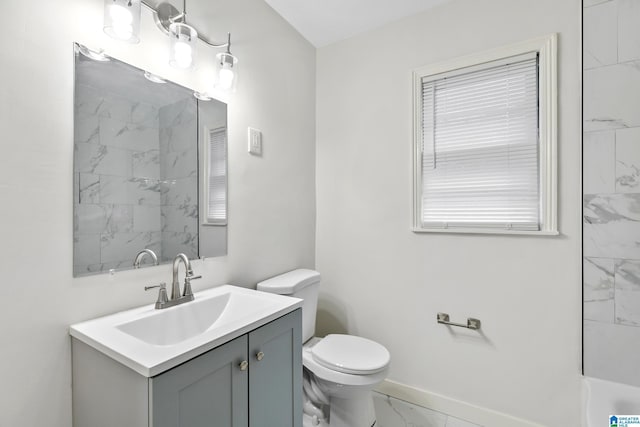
243 365
260 356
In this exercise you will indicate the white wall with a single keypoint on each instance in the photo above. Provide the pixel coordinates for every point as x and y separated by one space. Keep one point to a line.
382 281
271 199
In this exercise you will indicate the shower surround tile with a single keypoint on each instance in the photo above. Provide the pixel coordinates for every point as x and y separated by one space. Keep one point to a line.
612 240
599 158
628 30
179 191
91 219
590 3
124 246
181 218
612 226
611 178
611 98
88 188
599 289
100 159
611 352
627 292
87 130
146 218
135 181
609 208
179 242
86 249
146 164
628 160
126 135
130 191
600 35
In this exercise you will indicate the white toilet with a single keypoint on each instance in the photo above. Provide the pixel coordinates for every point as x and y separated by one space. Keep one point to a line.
339 370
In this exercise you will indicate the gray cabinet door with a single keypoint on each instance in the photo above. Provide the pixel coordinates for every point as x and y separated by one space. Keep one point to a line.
275 381
208 391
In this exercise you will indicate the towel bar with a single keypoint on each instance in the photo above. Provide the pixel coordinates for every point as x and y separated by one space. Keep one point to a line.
471 322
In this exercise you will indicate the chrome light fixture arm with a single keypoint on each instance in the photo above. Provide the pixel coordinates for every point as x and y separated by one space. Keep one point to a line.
166 14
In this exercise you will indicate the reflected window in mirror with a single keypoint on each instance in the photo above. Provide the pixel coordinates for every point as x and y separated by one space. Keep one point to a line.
216 184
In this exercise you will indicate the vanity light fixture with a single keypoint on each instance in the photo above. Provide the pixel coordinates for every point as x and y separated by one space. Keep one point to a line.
226 69
122 21
182 42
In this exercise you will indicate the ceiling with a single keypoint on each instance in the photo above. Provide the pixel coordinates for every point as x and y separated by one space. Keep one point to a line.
323 22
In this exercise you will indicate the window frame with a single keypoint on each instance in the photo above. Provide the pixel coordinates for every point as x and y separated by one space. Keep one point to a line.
546 48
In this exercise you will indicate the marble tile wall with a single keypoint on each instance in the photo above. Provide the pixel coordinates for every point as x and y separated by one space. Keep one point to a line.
391 412
179 171
117 188
611 187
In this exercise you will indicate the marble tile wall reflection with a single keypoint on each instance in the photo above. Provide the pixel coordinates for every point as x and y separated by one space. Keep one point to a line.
117 187
611 185
178 165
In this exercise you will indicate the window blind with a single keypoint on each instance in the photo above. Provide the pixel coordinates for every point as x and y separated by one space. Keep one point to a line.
480 154
217 179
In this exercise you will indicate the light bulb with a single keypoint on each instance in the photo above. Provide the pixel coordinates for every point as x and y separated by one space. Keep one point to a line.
182 53
120 14
122 21
226 72
226 76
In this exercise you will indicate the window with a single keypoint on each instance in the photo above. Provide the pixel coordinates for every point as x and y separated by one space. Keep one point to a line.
484 142
216 177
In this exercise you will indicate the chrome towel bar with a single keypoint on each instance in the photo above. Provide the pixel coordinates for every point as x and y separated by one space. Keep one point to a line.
471 322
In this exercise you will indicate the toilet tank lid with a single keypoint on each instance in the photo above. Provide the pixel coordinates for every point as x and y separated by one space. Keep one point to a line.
290 282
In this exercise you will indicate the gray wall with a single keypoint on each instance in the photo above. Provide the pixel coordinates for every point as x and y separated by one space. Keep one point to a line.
382 281
612 190
271 198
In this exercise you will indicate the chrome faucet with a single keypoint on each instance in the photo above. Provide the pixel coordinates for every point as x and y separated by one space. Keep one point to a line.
176 297
175 285
142 254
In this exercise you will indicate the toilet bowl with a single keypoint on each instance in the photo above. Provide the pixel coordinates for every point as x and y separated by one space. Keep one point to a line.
339 370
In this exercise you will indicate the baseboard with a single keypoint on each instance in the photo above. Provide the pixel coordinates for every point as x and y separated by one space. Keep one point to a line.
455 408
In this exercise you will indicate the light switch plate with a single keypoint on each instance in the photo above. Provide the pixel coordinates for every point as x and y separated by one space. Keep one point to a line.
255 141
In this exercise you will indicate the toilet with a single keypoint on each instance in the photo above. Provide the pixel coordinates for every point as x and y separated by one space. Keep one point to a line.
339 370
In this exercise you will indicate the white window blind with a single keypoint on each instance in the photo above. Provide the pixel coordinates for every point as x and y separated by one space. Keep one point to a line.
480 148
217 177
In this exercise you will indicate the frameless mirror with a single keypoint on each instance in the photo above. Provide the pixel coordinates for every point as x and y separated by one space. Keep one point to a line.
149 168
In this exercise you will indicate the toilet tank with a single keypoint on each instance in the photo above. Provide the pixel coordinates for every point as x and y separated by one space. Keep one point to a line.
303 284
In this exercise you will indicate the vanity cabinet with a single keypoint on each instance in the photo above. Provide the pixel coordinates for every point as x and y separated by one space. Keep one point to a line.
215 389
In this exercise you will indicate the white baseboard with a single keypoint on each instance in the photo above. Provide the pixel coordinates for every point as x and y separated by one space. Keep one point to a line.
455 408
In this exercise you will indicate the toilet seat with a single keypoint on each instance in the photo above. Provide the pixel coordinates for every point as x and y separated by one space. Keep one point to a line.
334 376
350 354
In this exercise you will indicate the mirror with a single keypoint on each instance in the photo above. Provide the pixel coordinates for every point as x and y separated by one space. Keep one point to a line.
149 168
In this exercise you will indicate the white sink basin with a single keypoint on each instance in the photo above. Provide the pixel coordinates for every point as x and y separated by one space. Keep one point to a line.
169 327
152 341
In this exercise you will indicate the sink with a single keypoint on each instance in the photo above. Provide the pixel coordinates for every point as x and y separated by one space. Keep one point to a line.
169 327
151 341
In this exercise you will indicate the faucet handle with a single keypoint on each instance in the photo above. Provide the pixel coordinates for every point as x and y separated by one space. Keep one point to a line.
187 285
162 294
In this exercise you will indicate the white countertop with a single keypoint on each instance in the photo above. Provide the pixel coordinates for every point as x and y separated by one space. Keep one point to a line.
244 311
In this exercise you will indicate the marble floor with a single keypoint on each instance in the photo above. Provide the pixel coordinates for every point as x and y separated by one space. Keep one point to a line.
393 412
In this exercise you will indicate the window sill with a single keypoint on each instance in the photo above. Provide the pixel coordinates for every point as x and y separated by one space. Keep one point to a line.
486 231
